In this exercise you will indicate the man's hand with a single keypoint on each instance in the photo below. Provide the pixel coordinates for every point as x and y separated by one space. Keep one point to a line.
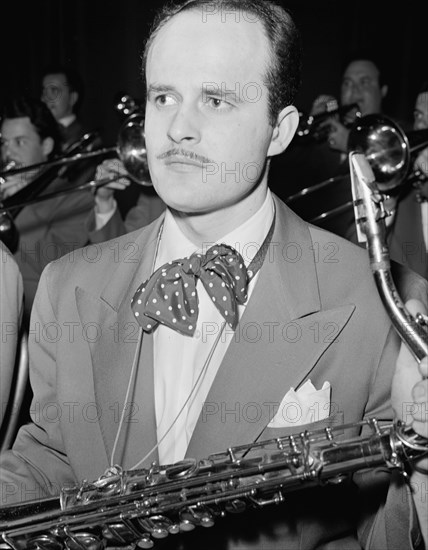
338 136
409 395
15 183
104 196
421 161
409 399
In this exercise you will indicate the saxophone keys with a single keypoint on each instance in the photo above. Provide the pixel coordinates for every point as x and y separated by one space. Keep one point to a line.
88 541
159 526
145 542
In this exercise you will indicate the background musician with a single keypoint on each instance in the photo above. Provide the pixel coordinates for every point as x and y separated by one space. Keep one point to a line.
62 92
408 232
47 229
203 314
309 162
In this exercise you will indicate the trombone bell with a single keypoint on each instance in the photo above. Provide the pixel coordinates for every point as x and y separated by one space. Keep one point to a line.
385 147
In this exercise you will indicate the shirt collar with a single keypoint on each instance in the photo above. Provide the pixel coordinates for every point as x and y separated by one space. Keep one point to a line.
246 238
67 120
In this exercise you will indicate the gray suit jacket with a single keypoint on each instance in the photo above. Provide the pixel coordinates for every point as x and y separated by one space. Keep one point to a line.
314 313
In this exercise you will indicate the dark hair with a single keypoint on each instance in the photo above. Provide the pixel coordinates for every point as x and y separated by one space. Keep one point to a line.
367 55
283 74
39 115
72 77
423 88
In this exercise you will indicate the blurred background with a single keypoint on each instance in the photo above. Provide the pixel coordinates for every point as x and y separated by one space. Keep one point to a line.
104 39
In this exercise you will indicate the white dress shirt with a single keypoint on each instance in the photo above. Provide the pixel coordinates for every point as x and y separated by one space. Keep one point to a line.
183 368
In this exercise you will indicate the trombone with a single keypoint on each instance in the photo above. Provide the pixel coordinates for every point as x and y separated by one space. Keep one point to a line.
130 149
309 127
389 152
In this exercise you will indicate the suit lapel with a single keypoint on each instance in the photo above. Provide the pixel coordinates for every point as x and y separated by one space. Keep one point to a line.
117 348
274 345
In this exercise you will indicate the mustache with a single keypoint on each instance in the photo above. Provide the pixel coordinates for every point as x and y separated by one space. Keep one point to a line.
178 152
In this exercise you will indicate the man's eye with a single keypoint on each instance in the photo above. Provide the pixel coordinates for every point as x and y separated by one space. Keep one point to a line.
217 104
164 100
366 82
51 92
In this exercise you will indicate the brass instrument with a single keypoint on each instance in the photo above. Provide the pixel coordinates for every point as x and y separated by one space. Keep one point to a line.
3 185
390 153
370 217
140 506
11 206
309 127
130 148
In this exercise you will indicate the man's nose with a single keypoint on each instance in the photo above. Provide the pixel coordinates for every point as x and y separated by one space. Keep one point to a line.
185 125
356 93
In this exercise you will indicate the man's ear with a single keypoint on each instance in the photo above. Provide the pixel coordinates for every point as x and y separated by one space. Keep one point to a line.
384 90
47 146
74 96
284 130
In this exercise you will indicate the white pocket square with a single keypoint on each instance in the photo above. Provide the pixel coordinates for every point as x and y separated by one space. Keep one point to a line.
303 406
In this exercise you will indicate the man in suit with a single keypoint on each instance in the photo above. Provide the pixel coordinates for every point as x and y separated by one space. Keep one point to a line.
51 228
295 310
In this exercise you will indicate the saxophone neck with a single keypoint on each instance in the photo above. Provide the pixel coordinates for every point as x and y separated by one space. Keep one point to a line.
370 215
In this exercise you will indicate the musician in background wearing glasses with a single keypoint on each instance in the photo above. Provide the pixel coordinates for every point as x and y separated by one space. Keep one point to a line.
182 345
11 308
47 229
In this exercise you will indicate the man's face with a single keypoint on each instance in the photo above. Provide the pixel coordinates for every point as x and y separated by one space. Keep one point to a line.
21 143
420 115
57 95
360 84
207 126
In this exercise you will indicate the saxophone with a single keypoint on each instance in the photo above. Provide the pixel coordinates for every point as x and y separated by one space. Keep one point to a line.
134 508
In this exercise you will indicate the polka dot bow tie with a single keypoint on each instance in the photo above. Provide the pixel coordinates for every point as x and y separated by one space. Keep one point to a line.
169 296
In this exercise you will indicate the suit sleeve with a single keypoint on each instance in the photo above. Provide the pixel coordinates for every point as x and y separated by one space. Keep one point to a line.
112 229
148 208
66 228
37 466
